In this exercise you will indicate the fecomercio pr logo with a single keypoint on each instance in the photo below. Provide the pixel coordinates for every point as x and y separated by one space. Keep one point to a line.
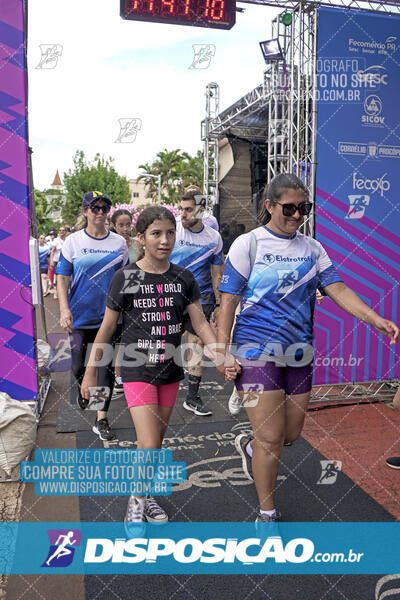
372 46
62 547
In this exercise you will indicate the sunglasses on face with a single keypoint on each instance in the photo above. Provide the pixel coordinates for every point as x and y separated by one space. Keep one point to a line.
97 208
288 210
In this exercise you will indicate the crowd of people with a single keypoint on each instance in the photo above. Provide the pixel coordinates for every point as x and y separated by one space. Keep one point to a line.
146 290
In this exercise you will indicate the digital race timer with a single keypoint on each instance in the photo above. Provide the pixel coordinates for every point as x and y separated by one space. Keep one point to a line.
220 14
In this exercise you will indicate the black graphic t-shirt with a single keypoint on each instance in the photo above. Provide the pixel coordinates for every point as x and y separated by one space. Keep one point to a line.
152 307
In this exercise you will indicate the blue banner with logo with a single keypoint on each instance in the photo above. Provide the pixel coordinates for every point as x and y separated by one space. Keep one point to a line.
358 188
200 548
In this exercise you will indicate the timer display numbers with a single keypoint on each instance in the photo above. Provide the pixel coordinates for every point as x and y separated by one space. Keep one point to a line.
219 14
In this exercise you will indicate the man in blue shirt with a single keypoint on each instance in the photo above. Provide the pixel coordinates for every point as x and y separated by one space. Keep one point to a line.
198 248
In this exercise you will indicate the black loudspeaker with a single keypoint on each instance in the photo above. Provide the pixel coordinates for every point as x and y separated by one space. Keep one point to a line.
258 170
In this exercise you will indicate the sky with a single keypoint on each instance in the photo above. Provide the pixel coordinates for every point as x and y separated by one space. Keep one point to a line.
109 69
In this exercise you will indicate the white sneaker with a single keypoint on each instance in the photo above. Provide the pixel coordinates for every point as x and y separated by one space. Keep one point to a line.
235 403
135 520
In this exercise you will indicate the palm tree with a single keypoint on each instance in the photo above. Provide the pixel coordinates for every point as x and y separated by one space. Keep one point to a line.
151 183
192 170
177 169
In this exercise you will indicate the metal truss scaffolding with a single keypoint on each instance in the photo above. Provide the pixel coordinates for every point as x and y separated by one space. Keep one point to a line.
386 6
211 147
281 112
291 86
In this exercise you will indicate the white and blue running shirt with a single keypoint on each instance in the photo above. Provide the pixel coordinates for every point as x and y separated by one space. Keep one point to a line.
279 293
197 251
44 254
91 263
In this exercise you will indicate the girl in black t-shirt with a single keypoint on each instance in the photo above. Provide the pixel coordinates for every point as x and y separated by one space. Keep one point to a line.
152 295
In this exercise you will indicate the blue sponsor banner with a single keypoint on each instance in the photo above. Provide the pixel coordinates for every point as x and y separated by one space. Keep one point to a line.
201 548
358 187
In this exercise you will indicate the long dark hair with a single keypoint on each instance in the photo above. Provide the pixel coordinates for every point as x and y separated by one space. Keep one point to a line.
119 213
148 216
278 186
151 214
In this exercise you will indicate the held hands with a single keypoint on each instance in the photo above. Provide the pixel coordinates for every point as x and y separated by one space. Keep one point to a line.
229 368
387 328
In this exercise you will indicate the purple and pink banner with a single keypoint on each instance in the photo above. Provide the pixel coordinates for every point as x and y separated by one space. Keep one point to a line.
358 188
17 333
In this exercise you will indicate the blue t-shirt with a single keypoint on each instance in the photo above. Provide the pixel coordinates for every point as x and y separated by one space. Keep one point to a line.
279 293
44 253
91 263
198 251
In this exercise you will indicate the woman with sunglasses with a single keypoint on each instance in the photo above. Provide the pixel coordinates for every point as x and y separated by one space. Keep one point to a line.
90 257
277 270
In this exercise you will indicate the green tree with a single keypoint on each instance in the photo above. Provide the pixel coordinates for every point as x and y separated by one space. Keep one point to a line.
97 174
177 169
44 207
192 170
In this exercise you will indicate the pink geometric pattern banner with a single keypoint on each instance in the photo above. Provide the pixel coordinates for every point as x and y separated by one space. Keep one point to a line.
358 189
17 342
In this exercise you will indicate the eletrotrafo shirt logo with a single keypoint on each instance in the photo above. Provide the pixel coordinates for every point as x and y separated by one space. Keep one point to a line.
62 547
269 258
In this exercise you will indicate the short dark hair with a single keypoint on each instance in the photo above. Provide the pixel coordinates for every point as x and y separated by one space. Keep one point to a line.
119 213
278 186
196 196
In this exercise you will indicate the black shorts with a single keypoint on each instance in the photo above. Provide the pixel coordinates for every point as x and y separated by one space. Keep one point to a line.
208 310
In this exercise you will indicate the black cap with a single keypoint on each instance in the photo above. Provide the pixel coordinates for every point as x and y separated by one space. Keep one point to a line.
92 197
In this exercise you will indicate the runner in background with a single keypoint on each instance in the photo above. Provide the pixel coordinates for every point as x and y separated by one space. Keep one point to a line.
49 240
276 271
208 218
121 223
55 253
44 253
199 249
152 295
89 258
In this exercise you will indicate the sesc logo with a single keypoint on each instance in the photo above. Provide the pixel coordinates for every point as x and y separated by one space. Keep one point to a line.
372 76
381 185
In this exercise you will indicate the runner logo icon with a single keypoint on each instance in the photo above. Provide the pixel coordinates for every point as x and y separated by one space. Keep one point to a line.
287 279
62 547
357 204
329 471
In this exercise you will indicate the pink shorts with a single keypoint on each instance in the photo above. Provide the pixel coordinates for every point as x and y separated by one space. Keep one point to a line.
138 393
